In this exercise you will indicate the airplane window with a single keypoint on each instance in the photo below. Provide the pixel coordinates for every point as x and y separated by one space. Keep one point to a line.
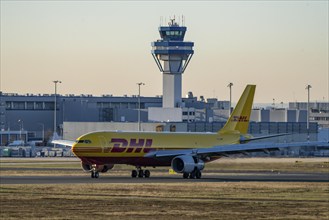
163 34
85 141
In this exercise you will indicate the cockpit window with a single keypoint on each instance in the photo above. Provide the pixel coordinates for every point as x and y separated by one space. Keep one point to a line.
85 141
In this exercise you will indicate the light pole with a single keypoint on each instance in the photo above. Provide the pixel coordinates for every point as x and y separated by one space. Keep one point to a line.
230 86
139 104
55 107
308 87
43 131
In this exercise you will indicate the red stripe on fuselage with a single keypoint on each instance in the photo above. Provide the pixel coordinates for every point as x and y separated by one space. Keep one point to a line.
135 161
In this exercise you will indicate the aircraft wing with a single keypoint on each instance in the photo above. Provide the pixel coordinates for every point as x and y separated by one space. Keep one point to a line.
63 142
246 140
229 150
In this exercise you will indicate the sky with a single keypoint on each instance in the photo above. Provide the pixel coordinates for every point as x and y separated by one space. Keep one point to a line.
104 47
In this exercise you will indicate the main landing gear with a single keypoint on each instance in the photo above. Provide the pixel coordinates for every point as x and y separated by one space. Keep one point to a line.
195 174
140 173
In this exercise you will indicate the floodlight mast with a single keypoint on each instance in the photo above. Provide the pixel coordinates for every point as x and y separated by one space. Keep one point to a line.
55 107
230 86
308 87
139 104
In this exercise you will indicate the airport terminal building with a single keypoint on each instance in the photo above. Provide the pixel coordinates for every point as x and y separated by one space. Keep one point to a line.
31 116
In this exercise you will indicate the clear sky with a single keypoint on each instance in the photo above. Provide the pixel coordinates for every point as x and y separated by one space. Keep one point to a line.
104 47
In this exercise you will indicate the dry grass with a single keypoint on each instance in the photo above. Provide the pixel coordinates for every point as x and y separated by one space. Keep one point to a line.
166 201
320 165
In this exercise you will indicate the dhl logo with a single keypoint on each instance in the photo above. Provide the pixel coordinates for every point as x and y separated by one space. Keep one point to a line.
121 145
240 118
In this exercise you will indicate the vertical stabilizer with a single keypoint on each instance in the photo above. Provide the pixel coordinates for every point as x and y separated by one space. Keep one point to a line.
239 119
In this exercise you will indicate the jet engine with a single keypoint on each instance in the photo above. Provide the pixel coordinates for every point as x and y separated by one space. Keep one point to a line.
186 164
99 168
86 167
106 167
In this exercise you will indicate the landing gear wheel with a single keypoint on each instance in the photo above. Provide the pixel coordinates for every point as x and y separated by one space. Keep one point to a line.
96 174
185 175
192 175
140 173
147 173
134 173
198 174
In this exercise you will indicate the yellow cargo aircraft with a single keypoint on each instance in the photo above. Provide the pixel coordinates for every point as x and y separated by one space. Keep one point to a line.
186 152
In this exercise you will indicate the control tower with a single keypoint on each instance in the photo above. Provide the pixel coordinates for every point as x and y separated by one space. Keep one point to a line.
172 56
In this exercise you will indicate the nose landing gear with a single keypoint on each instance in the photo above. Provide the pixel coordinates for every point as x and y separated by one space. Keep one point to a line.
94 174
94 171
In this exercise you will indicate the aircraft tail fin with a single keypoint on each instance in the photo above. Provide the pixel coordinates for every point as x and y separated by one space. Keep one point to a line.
239 119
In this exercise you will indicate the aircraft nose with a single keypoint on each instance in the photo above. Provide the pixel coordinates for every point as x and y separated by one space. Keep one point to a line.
74 148
85 147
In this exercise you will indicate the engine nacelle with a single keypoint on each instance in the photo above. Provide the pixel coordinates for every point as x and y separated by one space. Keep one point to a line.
99 168
106 168
186 164
86 167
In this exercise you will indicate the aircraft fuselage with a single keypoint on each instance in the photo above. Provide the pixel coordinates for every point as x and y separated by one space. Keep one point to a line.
131 147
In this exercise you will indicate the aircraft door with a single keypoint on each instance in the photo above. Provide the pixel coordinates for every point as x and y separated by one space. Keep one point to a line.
104 144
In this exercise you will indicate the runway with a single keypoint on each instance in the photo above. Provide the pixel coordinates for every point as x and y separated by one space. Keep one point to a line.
234 177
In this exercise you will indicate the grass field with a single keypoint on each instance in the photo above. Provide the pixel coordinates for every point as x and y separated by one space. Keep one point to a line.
188 200
166 201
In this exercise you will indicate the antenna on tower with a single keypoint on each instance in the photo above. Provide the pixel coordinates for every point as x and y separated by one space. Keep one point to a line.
183 22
